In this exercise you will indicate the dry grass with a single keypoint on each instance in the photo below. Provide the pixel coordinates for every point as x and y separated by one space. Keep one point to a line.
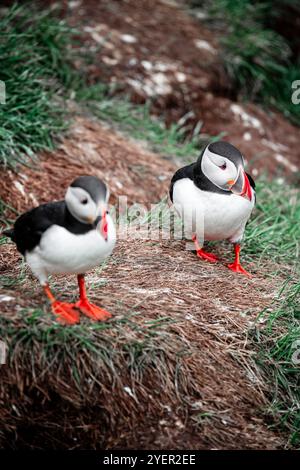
182 351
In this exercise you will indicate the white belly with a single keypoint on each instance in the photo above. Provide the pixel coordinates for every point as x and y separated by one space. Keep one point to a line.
62 252
218 216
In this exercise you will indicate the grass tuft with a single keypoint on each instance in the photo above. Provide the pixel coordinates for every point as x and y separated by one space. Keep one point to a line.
36 69
274 230
102 372
278 344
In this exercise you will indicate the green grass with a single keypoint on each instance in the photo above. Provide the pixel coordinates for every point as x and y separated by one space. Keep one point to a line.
274 234
94 337
37 53
94 357
256 57
278 345
136 121
36 69
274 230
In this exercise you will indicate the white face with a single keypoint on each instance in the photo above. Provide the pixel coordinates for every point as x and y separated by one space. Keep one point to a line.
219 170
82 206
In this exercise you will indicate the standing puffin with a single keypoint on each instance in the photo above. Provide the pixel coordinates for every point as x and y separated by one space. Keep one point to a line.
216 190
68 237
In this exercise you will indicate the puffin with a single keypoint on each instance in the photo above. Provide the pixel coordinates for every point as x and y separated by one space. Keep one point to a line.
215 197
71 236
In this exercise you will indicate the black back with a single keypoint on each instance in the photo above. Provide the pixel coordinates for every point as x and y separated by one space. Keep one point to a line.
31 225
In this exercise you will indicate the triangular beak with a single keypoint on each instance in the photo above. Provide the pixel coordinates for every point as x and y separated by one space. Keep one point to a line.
242 186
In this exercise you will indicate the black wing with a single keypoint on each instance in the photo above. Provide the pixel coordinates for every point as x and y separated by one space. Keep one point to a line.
185 172
31 225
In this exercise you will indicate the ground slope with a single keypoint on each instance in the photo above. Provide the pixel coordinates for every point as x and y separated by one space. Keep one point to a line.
175 367
175 359
165 56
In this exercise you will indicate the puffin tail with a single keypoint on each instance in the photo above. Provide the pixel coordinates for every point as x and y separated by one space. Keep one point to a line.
10 233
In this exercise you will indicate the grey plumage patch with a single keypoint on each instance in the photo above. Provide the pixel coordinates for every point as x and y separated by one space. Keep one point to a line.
93 185
227 150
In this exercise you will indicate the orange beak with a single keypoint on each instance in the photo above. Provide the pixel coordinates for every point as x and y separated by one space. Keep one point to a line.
104 226
230 182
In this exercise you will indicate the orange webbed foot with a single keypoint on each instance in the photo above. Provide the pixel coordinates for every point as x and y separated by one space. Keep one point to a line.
92 311
207 256
65 313
237 268
203 254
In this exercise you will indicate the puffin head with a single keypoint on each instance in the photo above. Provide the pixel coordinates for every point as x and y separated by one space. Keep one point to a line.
87 199
223 164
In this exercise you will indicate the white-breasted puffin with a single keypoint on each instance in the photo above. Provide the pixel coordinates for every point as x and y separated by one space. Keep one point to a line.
216 189
68 237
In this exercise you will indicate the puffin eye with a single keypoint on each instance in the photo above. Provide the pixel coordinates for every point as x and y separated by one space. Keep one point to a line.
223 167
84 201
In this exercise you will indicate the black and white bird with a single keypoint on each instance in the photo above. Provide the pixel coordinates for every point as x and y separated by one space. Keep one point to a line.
68 237
215 198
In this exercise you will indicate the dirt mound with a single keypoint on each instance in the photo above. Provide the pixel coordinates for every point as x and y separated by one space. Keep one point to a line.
164 55
174 360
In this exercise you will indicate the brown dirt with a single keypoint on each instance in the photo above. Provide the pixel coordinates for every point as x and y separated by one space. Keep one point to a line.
89 148
215 399
218 398
175 62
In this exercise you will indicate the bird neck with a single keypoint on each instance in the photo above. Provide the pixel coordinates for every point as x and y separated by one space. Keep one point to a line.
74 225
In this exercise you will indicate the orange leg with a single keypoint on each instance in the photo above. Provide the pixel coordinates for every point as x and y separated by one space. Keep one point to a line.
202 254
64 312
236 266
88 309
